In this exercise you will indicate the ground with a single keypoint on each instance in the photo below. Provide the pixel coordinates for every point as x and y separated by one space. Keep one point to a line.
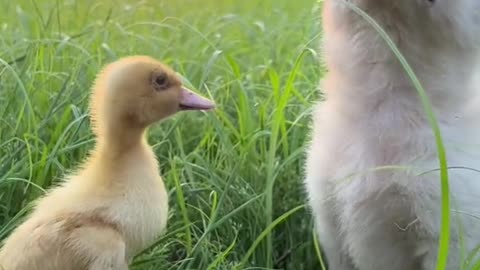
234 175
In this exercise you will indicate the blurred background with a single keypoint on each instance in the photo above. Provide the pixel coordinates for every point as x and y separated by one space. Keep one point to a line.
235 175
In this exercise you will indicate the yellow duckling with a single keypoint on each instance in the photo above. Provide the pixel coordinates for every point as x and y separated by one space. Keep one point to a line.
116 204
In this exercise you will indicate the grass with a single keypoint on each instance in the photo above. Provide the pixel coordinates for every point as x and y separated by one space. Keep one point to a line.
234 176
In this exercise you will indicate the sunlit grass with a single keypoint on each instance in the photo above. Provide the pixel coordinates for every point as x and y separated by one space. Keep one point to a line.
234 175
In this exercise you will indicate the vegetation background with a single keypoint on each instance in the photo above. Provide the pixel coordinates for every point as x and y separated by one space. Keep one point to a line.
234 175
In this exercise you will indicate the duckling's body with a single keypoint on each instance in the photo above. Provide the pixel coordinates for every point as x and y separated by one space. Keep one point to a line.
112 208
127 215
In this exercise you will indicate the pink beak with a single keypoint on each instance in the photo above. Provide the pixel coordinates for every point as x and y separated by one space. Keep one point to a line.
193 101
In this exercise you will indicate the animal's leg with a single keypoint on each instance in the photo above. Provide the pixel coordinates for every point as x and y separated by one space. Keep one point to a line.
431 251
331 240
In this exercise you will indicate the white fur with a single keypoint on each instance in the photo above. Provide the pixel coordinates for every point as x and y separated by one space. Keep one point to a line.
372 117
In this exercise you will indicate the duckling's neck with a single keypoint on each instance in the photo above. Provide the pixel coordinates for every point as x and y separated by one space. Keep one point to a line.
119 155
121 141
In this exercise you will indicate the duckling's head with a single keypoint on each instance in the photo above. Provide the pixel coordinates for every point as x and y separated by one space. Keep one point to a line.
137 91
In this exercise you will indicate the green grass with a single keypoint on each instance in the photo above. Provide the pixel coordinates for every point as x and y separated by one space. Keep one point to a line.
234 175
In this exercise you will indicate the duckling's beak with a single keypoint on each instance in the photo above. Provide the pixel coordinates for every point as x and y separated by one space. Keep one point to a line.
193 101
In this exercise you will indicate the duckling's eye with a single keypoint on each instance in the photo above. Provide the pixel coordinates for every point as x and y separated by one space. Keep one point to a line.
161 81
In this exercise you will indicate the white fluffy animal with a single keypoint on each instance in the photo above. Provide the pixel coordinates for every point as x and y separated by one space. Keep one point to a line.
369 216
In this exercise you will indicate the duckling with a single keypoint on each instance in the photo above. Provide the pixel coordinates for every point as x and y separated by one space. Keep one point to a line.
115 204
